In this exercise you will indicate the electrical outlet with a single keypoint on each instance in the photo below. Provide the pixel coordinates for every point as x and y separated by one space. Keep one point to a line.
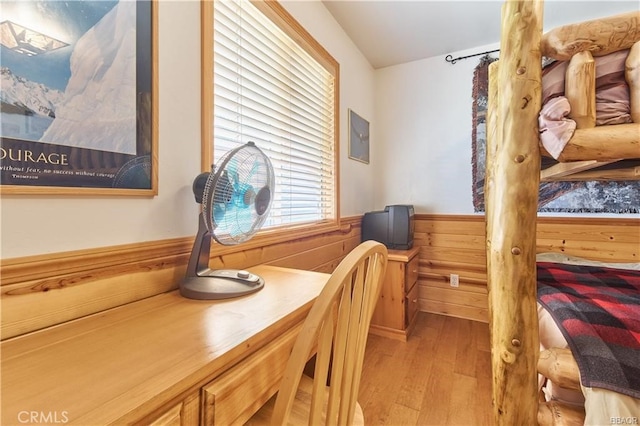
454 280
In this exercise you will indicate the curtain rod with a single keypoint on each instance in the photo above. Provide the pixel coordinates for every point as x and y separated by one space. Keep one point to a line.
451 60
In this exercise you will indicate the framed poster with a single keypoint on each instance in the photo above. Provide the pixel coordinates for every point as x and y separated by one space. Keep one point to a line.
358 138
79 97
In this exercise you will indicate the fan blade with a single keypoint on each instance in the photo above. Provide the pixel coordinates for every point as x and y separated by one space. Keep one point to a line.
238 195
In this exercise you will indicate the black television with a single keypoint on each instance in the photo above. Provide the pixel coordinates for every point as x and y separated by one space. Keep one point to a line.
392 226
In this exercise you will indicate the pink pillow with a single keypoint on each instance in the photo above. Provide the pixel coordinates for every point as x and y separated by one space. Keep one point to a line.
555 128
612 90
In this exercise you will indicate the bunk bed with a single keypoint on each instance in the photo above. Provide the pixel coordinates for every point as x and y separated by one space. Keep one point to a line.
515 166
590 367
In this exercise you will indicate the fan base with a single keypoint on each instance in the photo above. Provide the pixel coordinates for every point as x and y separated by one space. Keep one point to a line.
221 284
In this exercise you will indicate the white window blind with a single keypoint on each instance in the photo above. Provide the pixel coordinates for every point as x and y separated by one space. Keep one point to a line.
269 90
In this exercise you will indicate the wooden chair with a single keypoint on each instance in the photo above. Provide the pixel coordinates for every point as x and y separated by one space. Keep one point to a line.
337 326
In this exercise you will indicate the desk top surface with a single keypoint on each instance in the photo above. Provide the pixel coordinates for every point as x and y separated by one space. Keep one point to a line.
105 367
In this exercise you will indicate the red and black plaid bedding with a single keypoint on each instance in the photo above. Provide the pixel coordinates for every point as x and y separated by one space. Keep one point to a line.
598 311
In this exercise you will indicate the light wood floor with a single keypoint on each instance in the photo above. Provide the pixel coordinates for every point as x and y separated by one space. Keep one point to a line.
440 376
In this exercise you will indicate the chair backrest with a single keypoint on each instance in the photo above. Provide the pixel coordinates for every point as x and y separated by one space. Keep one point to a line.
337 326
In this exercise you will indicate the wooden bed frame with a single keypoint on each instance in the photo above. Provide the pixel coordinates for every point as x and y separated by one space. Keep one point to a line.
513 174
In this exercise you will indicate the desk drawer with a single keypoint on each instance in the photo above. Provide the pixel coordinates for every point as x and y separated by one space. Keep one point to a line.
184 413
236 395
412 305
411 273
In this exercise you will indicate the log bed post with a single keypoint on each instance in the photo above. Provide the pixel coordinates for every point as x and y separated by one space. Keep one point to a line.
513 172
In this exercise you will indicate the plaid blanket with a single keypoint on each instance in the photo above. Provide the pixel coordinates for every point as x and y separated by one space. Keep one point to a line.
598 311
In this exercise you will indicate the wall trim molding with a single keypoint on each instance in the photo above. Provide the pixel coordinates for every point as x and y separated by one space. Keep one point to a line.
622 221
41 266
44 290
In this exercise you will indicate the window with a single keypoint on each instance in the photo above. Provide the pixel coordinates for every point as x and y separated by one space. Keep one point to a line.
274 85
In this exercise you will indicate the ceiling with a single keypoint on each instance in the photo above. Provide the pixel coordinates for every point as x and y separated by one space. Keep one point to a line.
392 32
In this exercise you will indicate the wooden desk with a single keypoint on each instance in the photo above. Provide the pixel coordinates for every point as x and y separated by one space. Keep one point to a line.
163 360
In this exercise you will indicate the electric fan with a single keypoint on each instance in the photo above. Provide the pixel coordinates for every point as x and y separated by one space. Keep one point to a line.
235 197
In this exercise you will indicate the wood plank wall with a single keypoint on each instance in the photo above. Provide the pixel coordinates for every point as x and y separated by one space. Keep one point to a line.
456 245
41 291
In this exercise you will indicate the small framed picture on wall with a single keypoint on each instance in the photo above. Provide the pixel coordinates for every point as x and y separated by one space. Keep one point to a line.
358 138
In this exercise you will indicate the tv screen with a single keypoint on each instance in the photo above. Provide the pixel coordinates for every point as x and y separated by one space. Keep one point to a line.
393 226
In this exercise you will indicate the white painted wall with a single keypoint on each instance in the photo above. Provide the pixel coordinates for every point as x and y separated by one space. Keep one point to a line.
32 225
423 115
420 115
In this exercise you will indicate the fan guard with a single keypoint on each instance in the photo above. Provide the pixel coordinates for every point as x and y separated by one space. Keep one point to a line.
236 199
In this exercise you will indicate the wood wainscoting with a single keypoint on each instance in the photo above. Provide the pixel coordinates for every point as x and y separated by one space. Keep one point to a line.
45 290
455 244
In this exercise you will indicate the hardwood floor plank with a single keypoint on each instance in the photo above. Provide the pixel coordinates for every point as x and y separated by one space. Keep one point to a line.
374 363
414 382
461 403
481 331
396 366
427 324
483 394
465 349
401 415
440 376
435 404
